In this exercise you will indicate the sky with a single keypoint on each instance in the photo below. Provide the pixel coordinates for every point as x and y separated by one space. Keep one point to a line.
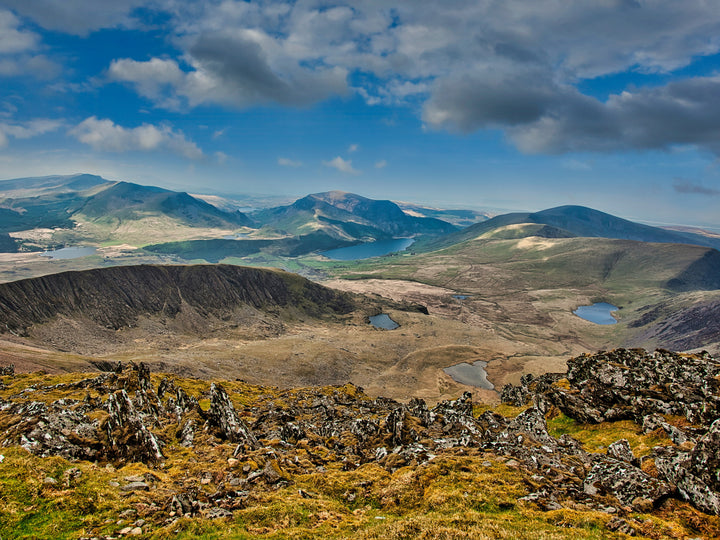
506 104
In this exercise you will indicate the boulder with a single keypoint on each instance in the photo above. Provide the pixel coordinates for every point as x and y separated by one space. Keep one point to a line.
223 417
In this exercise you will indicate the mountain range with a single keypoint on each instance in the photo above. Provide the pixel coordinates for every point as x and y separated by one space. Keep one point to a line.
572 221
348 216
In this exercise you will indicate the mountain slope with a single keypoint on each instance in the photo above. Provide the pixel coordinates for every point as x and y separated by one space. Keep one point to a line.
577 221
126 201
116 297
35 186
347 215
45 202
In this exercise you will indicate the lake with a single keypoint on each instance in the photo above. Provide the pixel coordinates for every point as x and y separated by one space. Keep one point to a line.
368 249
598 313
384 322
471 374
69 252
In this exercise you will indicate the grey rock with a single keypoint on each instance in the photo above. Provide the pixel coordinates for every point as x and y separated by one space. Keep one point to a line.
136 486
624 481
621 450
222 415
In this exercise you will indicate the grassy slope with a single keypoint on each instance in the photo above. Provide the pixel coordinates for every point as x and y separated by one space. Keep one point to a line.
543 271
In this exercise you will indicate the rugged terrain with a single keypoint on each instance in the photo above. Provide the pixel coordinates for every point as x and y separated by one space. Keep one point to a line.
624 443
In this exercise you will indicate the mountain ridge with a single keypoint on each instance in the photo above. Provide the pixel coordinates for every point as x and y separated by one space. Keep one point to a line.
576 221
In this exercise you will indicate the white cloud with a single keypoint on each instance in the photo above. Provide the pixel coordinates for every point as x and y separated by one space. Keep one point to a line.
105 135
27 130
512 65
12 39
285 162
353 148
341 165
380 164
221 157
18 51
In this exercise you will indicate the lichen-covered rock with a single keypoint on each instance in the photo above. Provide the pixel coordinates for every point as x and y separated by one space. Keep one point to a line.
224 418
621 450
624 482
58 429
705 457
676 467
127 435
7 370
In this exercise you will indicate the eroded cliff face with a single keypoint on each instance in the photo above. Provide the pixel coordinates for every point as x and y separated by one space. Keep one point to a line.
116 297
214 450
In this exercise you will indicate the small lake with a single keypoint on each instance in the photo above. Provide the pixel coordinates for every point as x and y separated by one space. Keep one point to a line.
237 236
461 296
471 374
368 249
598 313
384 322
69 252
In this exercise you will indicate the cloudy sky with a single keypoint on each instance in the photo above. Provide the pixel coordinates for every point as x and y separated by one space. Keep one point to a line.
514 104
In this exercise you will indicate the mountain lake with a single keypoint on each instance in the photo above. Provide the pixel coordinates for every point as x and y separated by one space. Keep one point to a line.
471 374
598 313
384 322
73 252
368 249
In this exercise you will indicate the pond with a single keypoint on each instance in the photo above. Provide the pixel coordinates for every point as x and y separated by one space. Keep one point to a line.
69 252
368 249
598 313
384 322
461 296
471 374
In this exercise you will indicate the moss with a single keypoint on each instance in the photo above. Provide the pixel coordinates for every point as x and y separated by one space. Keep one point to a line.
597 437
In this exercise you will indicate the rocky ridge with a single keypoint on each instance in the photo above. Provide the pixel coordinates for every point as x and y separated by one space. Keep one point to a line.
265 438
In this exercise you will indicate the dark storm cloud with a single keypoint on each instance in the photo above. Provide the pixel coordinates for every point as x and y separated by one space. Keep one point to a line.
242 69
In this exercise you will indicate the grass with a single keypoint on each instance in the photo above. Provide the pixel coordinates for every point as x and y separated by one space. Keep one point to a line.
597 437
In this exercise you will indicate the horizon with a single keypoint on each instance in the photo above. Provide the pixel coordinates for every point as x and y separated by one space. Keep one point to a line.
289 199
516 106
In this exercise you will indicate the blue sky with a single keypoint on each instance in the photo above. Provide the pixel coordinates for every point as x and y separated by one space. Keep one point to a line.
612 104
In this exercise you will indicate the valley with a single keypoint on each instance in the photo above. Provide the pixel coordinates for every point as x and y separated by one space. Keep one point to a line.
501 291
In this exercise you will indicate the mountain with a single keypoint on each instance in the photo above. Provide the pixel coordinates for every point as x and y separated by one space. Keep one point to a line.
118 297
348 216
42 185
45 202
125 201
576 221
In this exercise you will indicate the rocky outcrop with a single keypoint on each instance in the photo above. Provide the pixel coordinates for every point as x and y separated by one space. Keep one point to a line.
128 436
648 388
630 384
302 431
223 417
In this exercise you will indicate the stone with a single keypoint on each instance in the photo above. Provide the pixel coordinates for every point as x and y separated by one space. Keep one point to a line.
136 486
224 418
217 512
126 433
624 481
70 475
621 450
7 370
